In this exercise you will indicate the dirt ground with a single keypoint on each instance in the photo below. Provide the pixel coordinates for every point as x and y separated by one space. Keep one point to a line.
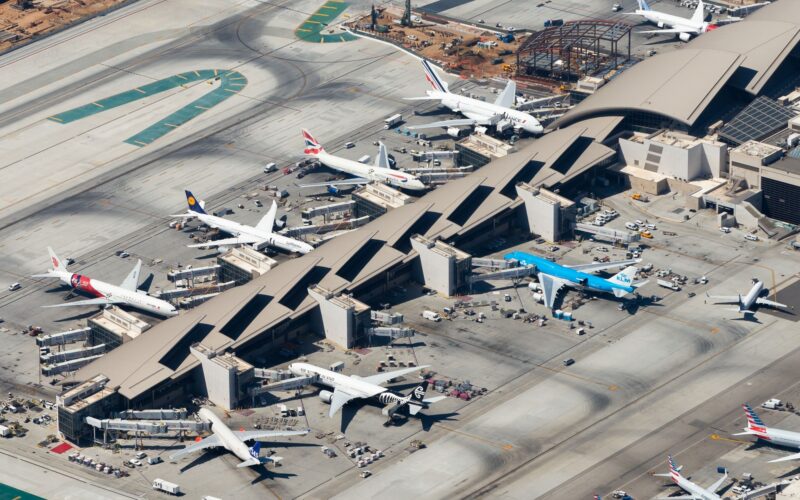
21 20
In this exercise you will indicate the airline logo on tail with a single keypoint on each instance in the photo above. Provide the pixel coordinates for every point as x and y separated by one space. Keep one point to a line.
194 204
674 470
312 146
255 450
433 78
754 422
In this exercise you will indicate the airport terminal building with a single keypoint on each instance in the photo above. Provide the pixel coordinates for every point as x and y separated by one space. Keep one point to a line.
688 89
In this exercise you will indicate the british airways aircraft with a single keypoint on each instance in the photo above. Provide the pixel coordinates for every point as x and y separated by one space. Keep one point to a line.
778 437
364 174
552 276
106 293
695 491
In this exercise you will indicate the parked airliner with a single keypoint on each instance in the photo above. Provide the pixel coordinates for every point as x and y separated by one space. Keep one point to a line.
260 236
364 174
676 25
752 299
778 437
695 491
552 276
106 293
477 112
234 441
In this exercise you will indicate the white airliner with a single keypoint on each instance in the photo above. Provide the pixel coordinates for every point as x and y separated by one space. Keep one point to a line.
676 25
346 388
477 112
695 492
260 236
107 294
778 437
234 441
746 303
364 174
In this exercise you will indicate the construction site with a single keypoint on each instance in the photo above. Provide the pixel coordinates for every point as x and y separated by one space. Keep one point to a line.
23 20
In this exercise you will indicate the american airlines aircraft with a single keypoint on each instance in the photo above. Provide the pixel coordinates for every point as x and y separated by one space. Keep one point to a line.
234 441
364 174
745 304
259 237
107 294
477 112
684 28
778 437
552 277
695 492
346 388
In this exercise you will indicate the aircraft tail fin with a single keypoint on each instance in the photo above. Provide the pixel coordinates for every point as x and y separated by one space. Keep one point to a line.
312 146
674 469
754 422
699 13
58 264
430 74
255 450
624 277
643 5
195 205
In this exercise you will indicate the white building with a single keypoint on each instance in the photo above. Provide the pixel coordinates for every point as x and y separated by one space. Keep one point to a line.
675 155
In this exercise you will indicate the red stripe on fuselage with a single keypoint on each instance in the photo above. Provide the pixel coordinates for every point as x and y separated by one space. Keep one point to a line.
84 284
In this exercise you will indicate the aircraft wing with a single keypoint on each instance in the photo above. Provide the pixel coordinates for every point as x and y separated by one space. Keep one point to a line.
132 280
766 302
507 96
601 266
102 301
239 240
268 221
795 456
339 399
209 442
382 378
259 435
356 181
550 287
538 103
461 122
724 299
714 487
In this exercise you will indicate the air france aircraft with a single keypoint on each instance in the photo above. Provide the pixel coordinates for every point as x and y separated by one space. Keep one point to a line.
684 28
477 112
107 294
745 304
695 492
778 437
364 174
234 441
552 276
260 236
346 388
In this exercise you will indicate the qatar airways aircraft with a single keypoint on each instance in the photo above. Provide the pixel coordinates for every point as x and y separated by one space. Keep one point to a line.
477 112
107 294
364 174
234 441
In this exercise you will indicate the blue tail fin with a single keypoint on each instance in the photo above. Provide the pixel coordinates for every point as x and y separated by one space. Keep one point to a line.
194 203
255 450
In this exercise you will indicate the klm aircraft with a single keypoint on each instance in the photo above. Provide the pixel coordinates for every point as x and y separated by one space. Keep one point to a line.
552 276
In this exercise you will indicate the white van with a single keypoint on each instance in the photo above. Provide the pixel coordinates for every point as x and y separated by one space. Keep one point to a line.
432 316
631 226
270 167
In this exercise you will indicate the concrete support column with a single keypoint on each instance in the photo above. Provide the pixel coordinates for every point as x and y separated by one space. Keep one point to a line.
441 265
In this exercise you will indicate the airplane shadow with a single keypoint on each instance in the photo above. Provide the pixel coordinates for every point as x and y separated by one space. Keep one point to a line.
208 256
84 315
428 420
58 289
266 473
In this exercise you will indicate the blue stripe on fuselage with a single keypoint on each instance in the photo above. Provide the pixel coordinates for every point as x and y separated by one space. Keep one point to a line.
550 268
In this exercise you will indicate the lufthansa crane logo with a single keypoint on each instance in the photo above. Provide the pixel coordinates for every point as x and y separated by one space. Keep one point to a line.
191 201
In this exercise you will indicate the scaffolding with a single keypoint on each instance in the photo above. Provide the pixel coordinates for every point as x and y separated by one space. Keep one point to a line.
574 50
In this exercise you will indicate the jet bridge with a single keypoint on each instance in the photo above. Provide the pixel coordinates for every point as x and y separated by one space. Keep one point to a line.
160 414
392 333
150 427
333 208
515 273
57 357
494 263
64 338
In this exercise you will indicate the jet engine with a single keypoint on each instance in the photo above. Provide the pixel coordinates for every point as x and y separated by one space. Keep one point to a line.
685 37
661 24
326 396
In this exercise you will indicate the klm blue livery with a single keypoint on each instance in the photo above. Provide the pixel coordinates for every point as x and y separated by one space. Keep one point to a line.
552 276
